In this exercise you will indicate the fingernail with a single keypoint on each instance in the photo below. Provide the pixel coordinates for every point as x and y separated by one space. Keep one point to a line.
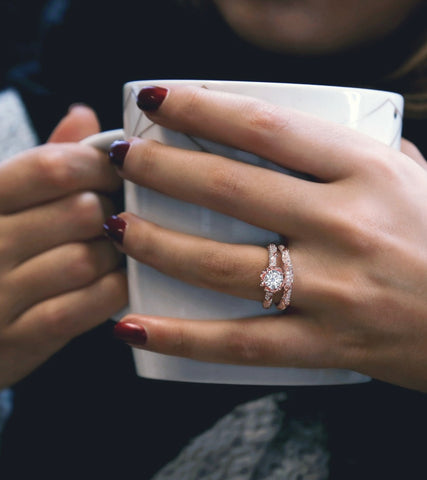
118 151
77 105
130 333
114 228
150 98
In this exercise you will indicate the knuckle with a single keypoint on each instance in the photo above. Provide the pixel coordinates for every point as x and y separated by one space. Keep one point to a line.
87 211
363 239
145 249
366 235
217 269
243 347
174 340
147 150
385 164
179 343
263 121
83 267
56 168
224 183
359 233
263 116
384 167
58 325
193 97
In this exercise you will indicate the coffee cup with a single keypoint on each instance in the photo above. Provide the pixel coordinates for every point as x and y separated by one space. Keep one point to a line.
372 112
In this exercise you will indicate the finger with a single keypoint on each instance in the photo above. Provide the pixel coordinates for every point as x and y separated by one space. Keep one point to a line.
49 325
80 122
228 268
232 269
409 149
75 312
231 187
77 217
63 269
282 340
53 171
293 139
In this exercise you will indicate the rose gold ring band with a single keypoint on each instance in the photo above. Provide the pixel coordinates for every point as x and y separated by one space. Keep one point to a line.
274 278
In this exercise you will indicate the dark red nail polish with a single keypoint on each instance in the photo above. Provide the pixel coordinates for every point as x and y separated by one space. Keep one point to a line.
114 228
118 151
130 333
150 98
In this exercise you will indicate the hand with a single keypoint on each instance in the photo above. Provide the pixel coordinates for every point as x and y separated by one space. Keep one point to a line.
58 274
357 239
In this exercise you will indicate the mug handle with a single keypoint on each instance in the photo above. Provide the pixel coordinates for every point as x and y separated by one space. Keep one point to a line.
103 141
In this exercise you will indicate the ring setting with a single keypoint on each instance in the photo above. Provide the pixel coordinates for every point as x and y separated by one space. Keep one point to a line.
274 278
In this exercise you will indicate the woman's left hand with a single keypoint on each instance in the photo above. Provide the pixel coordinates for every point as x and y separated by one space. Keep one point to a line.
357 238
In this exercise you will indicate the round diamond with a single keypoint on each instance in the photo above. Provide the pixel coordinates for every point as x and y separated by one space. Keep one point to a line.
273 279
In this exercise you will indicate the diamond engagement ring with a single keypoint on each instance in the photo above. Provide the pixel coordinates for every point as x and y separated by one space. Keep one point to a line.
273 277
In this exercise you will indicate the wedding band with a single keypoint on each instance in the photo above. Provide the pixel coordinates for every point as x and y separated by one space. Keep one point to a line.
289 278
273 277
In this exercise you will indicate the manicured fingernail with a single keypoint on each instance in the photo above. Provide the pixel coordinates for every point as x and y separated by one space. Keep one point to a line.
118 151
150 98
114 228
130 333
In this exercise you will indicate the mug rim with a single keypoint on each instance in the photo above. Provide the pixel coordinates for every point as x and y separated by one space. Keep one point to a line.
278 85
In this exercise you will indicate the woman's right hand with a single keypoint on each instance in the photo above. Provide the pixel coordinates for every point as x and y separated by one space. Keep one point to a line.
58 275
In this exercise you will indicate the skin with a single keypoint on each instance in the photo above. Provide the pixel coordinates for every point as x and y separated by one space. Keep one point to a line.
314 26
359 286
58 276
358 250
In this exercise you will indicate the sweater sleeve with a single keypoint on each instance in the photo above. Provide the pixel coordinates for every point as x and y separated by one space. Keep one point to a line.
16 131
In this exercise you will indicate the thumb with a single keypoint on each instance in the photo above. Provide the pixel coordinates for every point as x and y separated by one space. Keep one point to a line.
80 122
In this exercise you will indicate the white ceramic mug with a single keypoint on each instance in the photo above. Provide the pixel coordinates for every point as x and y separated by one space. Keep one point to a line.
375 113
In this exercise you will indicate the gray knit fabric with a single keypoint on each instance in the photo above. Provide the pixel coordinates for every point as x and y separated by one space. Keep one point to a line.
256 441
16 132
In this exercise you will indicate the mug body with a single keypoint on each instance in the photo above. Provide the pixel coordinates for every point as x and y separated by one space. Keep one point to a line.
375 113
